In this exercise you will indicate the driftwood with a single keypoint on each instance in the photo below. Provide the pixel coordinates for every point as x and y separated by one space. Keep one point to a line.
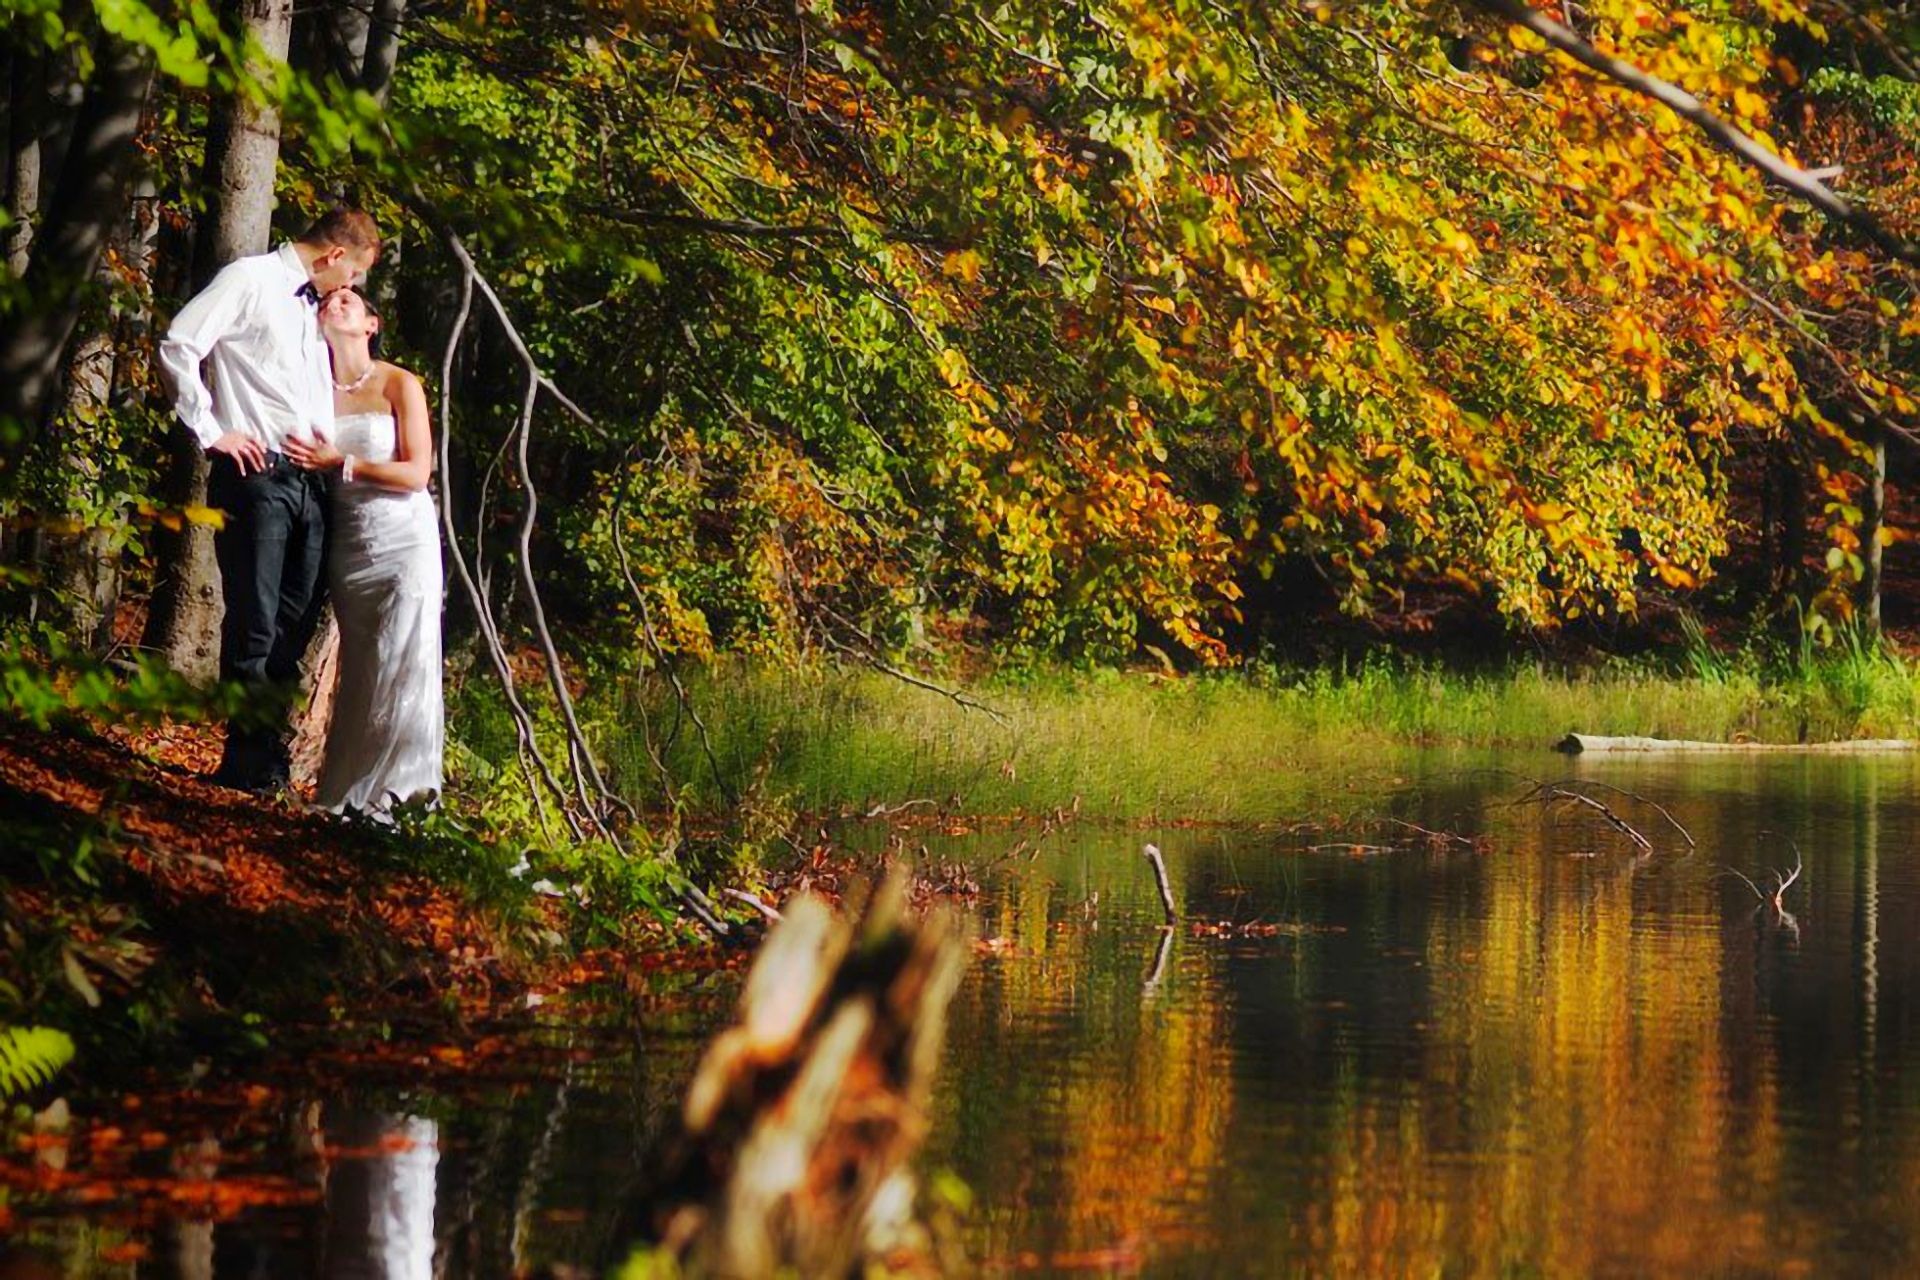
1552 793
1152 853
795 1147
1582 743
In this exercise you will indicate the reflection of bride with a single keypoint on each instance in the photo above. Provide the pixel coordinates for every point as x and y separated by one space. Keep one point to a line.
383 568
380 1196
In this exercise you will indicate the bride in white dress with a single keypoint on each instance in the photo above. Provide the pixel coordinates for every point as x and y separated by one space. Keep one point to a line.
383 568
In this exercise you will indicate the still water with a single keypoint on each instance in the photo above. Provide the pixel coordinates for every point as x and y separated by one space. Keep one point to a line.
1367 1051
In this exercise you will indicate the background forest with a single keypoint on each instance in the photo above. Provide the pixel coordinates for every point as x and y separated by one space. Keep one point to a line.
1098 332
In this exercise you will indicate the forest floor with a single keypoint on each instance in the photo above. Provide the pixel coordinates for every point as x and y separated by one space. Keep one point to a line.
148 885
221 958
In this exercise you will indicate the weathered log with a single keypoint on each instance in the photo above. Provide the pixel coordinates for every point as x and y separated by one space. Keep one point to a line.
1582 743
795 1145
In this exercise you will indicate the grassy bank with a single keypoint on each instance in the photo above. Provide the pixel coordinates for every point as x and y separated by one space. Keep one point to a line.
835 739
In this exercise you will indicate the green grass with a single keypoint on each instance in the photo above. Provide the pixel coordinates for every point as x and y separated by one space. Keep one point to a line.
1129 745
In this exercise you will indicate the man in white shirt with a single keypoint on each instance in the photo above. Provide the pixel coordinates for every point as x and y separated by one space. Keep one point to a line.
256 327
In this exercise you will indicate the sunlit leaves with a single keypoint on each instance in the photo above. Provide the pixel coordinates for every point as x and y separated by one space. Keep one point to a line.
1082 319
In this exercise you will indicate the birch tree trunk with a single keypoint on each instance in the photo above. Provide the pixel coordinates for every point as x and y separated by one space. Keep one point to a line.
243 154
26 112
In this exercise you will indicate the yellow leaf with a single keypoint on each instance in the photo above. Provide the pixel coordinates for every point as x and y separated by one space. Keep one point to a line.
963 265
1674 576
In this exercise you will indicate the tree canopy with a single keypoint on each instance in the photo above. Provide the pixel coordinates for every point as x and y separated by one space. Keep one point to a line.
1087 326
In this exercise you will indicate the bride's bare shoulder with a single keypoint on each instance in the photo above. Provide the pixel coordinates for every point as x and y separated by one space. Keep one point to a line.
398 382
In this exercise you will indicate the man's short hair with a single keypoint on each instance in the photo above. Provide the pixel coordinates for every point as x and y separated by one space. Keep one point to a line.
351 228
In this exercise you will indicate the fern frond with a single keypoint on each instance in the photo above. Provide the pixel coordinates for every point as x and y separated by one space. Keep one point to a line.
31 1056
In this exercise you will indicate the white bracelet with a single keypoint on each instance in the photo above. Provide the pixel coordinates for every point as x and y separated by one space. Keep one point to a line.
346 468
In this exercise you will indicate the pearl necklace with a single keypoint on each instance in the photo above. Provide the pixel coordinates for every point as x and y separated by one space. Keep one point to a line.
357 383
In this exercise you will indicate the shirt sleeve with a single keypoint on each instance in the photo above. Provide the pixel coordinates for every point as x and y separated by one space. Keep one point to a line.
195 331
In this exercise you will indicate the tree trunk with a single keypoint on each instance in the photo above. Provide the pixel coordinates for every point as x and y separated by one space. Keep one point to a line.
243 153
382 49
26 114
1792 509
89 200
83 567
132 373
1873 518
347 23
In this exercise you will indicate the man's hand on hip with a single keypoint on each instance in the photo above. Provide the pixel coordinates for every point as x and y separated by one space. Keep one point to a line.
246 452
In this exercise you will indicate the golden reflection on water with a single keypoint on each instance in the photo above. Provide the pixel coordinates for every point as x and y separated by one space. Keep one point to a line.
1550 1058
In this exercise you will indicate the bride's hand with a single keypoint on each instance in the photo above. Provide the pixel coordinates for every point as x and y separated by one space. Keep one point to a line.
317 454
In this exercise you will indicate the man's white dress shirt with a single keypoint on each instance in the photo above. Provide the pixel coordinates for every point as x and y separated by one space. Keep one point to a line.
272 377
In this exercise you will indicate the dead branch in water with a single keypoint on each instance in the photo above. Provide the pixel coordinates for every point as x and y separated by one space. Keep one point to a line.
1782 881
1654 805
1433 836
1152 853
1151 987
884 810
1550 793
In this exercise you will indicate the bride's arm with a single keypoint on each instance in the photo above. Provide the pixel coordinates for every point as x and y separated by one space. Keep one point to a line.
413 432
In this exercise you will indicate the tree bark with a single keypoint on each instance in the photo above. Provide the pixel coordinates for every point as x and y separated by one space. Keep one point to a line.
83 566
26 113
243 154
382 48
89 200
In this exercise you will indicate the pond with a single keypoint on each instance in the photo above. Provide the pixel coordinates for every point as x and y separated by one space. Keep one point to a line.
1367 1050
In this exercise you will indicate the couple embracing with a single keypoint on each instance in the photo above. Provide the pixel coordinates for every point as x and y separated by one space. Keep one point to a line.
320 456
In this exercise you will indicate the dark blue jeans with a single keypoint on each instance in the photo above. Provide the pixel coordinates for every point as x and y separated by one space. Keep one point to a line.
272 552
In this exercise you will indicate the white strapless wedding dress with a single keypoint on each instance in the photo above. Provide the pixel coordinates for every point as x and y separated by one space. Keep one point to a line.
383 566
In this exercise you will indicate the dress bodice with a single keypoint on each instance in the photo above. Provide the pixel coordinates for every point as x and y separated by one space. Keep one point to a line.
370 437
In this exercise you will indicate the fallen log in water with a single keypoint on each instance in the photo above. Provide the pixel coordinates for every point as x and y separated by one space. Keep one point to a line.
795 1147
1584 743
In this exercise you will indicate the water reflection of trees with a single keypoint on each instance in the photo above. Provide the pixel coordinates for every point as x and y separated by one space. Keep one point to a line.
1549 1057
1096 1113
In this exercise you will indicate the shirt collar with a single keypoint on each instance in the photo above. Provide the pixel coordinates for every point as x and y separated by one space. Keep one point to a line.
289 261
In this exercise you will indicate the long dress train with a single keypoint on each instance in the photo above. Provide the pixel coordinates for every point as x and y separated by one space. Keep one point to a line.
388 732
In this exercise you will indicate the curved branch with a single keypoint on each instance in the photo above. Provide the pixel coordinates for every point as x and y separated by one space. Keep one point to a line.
584 768
532 761
1718 131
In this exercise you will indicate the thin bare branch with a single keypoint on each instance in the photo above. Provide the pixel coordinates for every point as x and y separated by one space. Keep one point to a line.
1550 792
1651 804
869 653
533 763
596 804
